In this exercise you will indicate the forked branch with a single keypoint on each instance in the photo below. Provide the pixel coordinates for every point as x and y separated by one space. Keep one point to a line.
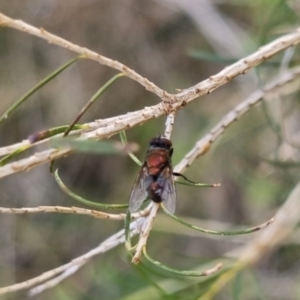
186 95
172 102
118 124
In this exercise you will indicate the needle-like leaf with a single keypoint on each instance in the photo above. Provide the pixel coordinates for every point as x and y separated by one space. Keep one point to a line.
245 231
4 160
9 111
44 134
38 137
181 272
82 200
127 231
89 146
198 184
92 100
125 143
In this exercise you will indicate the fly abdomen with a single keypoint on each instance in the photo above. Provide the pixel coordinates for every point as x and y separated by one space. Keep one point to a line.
154 192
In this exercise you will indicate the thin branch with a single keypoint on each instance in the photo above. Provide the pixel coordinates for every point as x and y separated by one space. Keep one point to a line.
204 144
145 231
11 148
56 280
42 137
53 39
169 125
240 67
33 161
72 210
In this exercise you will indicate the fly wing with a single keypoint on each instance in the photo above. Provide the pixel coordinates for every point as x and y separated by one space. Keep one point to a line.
168 195
139 191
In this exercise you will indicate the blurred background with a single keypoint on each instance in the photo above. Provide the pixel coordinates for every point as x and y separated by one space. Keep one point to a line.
175 44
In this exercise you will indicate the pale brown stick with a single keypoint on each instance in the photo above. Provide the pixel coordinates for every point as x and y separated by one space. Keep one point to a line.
72 210
145 231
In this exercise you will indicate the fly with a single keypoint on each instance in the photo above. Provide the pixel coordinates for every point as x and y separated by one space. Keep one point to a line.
155 179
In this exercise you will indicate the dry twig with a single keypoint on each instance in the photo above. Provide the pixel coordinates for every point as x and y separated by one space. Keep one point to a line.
145 231
72 210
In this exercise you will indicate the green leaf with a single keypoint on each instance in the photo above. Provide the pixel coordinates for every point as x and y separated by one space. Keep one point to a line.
92 100
245 231
4 160
83 200
44 134
178 288
211 57
125 143
181 272
282 164
8 112
127 231
197 184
